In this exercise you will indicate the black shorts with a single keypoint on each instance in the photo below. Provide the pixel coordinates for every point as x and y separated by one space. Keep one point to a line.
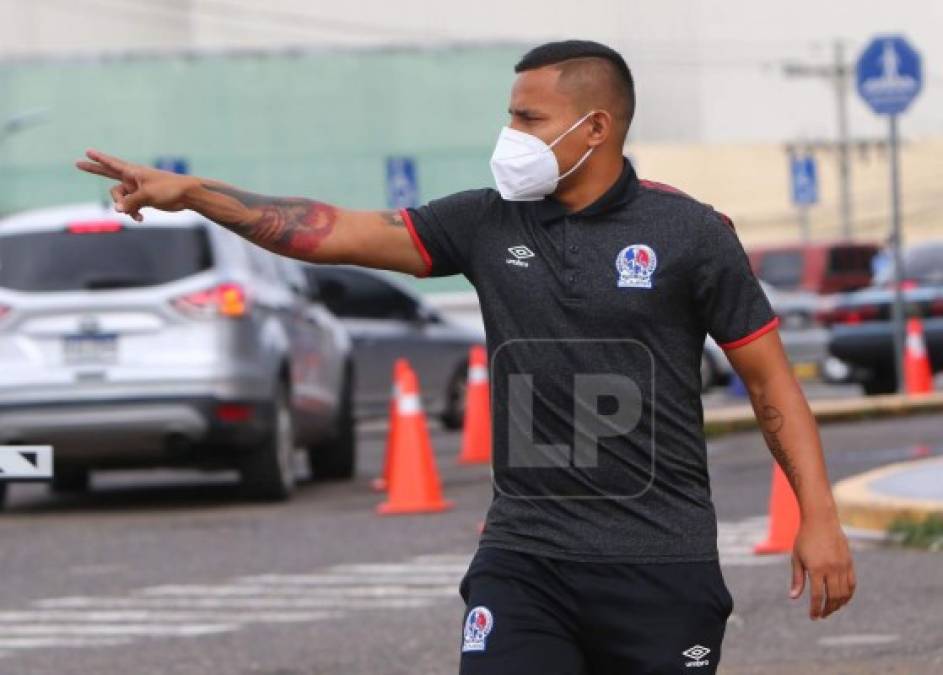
533 615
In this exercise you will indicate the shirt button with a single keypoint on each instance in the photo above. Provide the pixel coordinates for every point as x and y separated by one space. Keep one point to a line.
574 248
571 278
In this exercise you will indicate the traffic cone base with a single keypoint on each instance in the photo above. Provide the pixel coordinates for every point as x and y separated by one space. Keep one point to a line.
389 509
414 485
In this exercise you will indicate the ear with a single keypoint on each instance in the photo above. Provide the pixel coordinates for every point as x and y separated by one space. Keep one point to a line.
600 126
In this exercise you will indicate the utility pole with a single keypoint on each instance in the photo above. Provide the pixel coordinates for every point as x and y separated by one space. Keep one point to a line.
837 73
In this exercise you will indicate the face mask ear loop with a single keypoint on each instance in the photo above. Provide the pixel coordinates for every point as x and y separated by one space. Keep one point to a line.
577 165
575 124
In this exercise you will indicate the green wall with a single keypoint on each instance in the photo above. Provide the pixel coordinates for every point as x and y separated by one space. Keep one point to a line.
317 124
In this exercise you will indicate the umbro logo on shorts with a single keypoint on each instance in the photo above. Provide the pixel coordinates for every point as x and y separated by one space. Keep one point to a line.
697 654
520 253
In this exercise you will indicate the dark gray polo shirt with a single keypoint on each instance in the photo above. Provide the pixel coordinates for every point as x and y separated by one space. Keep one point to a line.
595 324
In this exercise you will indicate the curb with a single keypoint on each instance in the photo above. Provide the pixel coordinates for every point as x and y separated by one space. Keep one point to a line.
861 507
720 421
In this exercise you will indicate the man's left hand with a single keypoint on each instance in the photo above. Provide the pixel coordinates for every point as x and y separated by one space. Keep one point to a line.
821 551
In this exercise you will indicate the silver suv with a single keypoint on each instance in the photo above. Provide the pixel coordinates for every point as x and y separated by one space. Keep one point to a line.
171 342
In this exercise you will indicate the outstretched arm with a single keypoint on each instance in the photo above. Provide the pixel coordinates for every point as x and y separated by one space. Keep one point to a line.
821 548
291 226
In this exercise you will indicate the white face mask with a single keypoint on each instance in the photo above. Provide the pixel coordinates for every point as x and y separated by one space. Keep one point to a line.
525 168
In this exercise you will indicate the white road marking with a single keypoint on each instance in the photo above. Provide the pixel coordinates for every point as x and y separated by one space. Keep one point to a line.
455 558
857 640
160 616
736 539
192 610
347 579
248 603
295 592
383 568
38 642
57 629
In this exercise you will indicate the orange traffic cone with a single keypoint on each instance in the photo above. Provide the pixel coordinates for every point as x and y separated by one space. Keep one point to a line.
380 484
414 485
476 432
783 516
918 378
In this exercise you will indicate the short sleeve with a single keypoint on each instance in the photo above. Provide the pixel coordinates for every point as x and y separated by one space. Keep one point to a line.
444 230
728 296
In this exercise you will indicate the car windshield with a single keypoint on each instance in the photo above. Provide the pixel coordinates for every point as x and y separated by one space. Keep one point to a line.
354 294
850 260
923 263
97 260
781 269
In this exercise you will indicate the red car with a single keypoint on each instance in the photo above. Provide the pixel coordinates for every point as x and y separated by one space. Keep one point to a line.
819 267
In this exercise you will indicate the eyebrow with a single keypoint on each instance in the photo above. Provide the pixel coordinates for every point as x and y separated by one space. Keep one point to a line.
523 112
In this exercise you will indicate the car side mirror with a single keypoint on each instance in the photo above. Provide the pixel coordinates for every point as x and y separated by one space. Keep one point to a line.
427 314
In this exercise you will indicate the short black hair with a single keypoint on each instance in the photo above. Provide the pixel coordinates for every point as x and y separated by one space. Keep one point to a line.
553 53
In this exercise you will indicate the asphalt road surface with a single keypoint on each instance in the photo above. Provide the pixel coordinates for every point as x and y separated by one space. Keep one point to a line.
169 573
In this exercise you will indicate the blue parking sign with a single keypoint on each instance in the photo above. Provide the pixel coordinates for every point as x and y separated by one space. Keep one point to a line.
174 164
402 186
889 74
805 184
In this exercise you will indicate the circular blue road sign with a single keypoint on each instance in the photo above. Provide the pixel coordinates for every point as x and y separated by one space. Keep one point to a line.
889 74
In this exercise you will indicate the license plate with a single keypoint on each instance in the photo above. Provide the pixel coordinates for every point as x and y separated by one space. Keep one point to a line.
91 348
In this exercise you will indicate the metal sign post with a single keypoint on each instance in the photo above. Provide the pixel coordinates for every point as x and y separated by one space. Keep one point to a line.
897 311
889 76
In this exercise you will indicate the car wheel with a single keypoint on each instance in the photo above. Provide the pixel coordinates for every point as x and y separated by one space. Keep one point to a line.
3 495
268 471
335 458
880 382
67 479
453 417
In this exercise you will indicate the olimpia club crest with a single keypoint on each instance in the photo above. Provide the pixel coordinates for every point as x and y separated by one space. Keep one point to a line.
478 624
636 264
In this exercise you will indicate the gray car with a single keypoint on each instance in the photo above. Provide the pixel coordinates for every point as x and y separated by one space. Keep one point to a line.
386 320
171 342
803 340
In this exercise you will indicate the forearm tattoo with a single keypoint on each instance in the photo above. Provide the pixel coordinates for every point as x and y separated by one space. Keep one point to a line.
771 423
288 225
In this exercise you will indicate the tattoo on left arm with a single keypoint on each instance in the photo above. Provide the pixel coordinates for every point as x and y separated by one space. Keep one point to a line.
771 423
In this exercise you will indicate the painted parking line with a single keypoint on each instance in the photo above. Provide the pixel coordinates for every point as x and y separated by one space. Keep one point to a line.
858 640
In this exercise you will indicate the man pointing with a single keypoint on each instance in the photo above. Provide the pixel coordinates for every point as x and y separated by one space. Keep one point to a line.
597 290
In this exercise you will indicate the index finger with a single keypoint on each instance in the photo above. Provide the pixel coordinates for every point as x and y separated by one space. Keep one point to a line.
99 169
111 162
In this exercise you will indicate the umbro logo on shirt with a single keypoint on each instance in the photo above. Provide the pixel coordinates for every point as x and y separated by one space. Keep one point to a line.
697 654
520 253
